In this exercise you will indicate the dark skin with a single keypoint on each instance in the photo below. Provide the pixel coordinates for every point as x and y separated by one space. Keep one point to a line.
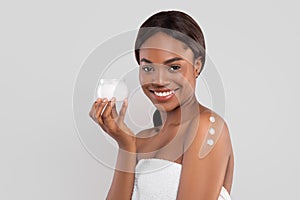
167 63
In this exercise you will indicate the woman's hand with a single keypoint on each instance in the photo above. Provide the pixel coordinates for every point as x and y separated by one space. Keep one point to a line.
113 123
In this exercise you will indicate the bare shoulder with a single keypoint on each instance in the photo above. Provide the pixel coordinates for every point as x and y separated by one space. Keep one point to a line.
205 161
144 135
147 132
216 132
212 135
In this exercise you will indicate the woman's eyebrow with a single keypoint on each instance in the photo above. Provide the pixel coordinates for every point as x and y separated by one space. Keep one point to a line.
165 63
172 60
145 60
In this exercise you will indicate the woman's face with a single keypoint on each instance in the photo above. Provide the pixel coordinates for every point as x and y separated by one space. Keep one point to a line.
168 71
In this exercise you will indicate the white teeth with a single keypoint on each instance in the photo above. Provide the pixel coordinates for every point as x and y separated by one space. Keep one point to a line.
163 94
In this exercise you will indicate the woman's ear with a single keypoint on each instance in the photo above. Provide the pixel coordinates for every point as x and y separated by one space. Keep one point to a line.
197 66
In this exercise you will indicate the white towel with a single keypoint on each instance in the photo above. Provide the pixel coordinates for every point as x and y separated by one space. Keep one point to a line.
159 179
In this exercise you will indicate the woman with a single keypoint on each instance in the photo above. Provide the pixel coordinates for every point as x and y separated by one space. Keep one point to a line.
193 140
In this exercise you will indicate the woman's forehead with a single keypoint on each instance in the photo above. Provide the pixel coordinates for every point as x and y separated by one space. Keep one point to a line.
162 46
161 56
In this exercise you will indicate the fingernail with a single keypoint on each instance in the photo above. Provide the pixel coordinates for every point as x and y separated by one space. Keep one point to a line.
105 100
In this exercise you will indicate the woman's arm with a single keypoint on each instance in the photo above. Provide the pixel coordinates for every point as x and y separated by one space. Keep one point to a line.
123 180
229 173
104 113
202 177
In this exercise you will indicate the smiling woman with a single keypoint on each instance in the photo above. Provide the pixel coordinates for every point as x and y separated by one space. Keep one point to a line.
171 67
191 146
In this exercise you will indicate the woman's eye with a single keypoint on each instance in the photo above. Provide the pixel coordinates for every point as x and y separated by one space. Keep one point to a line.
174 68
147 68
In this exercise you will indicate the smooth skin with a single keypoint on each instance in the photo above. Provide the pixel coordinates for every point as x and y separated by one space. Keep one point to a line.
104 113
169 64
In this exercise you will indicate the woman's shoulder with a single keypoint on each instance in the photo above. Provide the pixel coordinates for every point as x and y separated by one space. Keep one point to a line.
207 118
210 119
145 135
211 133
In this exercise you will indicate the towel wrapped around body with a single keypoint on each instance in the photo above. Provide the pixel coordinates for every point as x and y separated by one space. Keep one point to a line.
159 179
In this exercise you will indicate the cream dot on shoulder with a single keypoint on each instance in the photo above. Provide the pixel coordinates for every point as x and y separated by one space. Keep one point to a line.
211 130
212 119
210 142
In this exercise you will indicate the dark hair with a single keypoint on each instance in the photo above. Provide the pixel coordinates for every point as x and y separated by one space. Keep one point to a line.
156 118
176 24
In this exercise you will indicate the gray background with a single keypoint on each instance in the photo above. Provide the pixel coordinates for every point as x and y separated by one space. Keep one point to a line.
254 45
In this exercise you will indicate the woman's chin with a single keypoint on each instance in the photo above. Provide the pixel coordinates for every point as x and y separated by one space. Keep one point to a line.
165 107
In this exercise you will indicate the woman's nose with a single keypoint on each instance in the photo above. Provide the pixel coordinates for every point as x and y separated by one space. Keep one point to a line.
160 77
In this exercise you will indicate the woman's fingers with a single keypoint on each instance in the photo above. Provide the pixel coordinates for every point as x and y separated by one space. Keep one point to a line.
123 110
93 108
106 116
114 113
100 108
105 113
98 116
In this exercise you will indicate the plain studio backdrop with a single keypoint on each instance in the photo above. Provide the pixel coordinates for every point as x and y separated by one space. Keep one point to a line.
254 45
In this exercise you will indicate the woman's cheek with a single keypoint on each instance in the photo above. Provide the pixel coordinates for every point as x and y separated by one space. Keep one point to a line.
177 77
143 78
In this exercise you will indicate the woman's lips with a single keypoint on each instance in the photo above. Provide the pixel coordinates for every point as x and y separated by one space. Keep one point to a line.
163 95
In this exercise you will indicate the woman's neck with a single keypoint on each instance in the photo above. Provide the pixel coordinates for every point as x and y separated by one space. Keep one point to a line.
183 113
